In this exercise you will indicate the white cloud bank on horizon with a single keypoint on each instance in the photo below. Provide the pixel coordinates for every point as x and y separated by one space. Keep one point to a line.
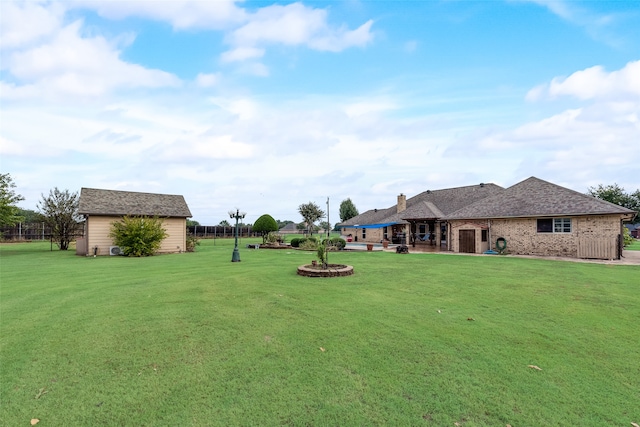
245 146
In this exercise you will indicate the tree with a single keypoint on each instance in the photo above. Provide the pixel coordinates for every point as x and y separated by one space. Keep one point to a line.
616 195
264 225
191 223
138 235
9 212
29 215
311 213
224 223
347 210
60 212
325 225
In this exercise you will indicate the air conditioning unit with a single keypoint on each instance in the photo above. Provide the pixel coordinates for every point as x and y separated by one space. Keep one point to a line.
115 250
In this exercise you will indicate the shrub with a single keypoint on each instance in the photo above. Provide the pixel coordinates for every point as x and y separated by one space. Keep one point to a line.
334 243
192 242
274 238
338 242
308 244
627 239
321 252
265 225
295 242
138 235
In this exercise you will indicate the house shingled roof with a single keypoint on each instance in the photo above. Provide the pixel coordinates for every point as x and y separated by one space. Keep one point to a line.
535 197
430 204
94 201
292 226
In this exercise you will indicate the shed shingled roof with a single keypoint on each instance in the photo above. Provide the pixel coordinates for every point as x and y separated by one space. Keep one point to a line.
535 197
95 201
430 204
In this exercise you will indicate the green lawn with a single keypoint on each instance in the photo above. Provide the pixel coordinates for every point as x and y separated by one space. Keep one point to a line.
195 340
635 246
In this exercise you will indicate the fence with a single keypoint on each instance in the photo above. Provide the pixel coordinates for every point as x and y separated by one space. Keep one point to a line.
40 231
26 231
218 231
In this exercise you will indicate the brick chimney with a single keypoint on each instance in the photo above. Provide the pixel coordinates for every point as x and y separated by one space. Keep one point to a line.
402 203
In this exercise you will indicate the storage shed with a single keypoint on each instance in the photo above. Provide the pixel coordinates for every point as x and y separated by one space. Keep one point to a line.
101 208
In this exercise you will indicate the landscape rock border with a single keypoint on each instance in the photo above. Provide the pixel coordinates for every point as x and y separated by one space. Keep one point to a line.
333 270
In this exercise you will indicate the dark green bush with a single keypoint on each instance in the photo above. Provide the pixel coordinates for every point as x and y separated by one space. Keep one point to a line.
338 243
265 225
295 242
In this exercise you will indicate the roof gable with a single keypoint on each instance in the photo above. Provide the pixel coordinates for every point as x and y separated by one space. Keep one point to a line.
292 226
535 197
95 201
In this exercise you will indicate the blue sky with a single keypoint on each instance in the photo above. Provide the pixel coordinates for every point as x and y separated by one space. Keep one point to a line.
265 106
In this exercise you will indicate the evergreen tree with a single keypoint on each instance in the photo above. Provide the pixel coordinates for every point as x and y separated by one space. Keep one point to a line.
347 210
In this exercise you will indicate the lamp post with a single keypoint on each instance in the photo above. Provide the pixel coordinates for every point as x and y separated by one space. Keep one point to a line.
237 215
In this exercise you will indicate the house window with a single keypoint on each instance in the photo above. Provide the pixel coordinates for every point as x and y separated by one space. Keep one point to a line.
384 233
364 233
562 225
485 235
554 225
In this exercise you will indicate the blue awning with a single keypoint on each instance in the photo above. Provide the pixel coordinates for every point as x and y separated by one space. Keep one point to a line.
386 224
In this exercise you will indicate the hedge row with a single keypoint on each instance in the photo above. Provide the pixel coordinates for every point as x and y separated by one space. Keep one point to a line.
338 242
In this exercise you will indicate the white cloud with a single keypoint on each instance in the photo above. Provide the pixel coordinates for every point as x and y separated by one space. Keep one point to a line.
292 25
205 80
69 64
242 53
356 109
22 23
558 7
593 83
341 39
598 26
181 14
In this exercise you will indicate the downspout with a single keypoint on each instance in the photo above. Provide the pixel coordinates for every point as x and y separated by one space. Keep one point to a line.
489 225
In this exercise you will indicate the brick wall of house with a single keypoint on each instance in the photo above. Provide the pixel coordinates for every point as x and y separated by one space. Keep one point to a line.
478 226
371 235
523 239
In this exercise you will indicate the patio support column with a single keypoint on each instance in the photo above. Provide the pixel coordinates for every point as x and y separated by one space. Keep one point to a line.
438 234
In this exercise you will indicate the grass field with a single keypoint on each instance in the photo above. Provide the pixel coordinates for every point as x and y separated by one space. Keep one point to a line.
635 246
408 340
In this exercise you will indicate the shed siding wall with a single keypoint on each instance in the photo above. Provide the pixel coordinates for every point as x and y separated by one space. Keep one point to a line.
177 235
523 239
99 227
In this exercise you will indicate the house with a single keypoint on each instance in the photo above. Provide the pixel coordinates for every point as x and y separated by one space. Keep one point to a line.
101 208
532 217
536 217
290 228
634 230
417 220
